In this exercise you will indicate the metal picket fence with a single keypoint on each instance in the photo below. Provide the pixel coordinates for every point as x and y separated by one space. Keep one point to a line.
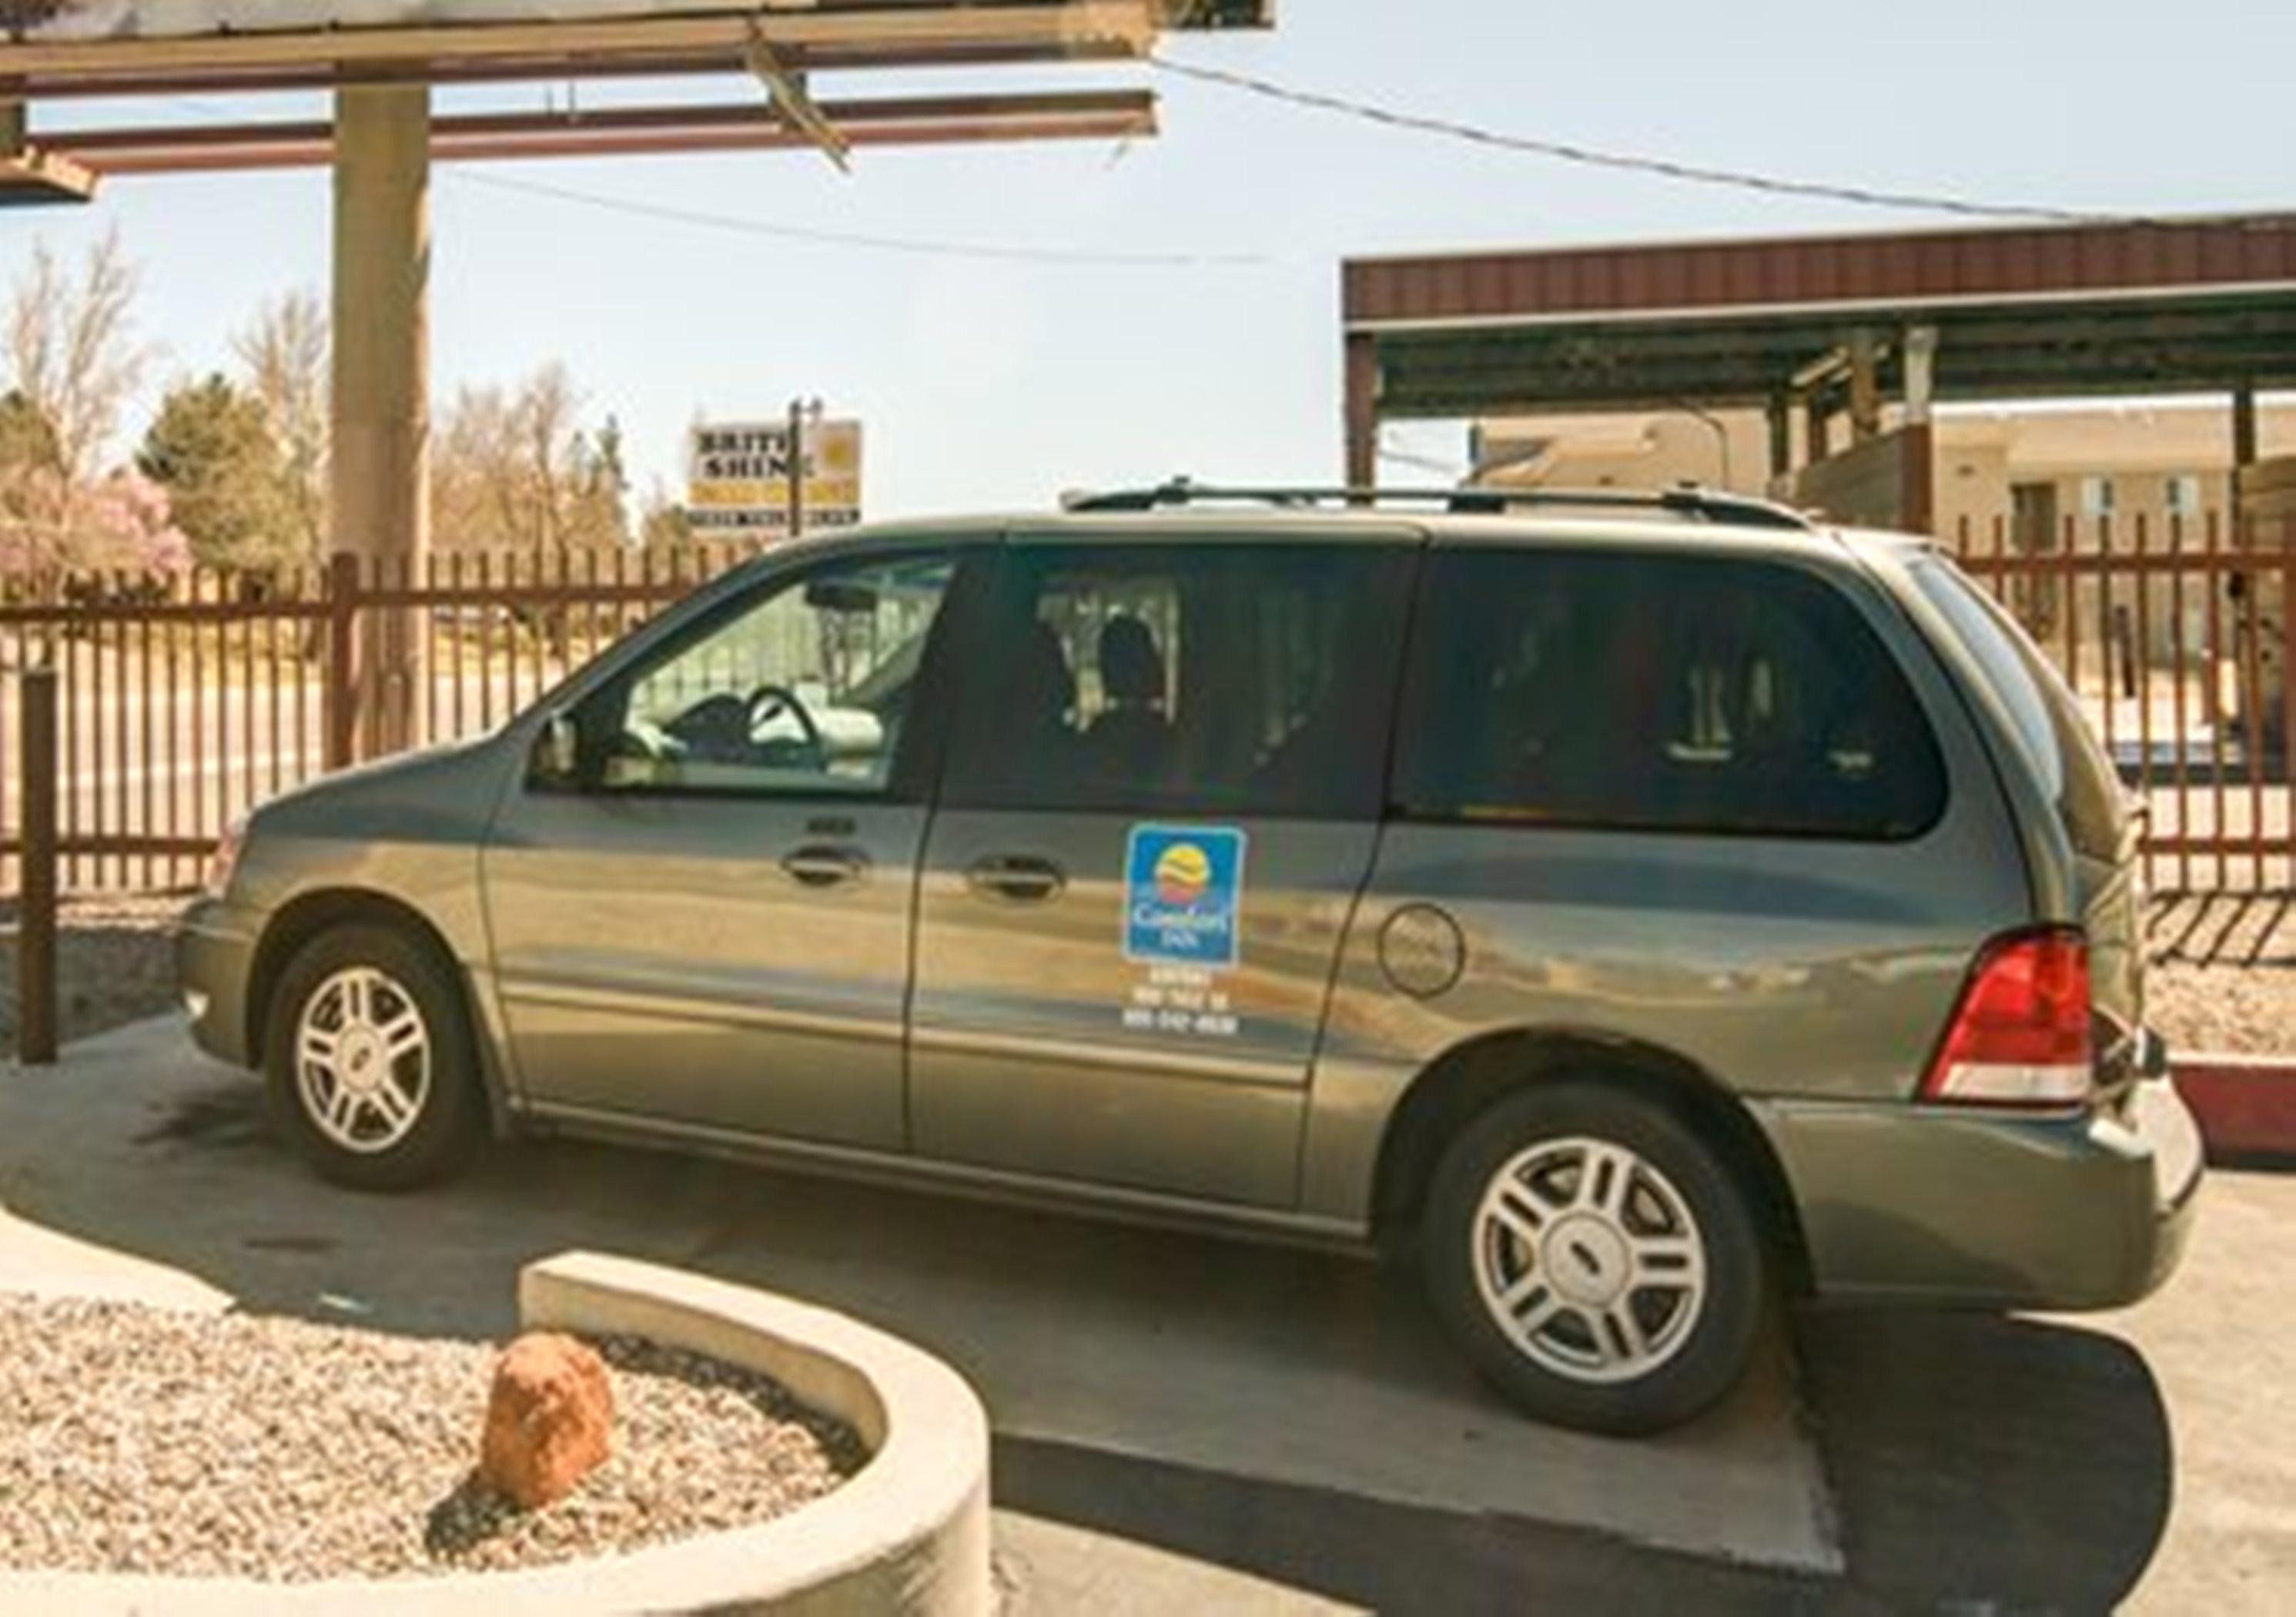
185 700
2172 633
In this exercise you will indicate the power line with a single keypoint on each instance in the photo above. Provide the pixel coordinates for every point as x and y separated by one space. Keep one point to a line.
1634 163
916 245
921 246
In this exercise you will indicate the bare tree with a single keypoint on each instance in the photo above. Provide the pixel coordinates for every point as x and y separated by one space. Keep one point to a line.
72 349
514 467
19 16
286 351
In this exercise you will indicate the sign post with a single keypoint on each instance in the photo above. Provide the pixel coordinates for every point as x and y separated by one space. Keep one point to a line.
797 459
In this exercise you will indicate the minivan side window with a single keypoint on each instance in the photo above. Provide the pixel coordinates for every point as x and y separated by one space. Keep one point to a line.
1632 691
804 691
1205 677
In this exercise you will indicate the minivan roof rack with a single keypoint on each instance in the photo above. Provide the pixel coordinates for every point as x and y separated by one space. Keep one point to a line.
1709 504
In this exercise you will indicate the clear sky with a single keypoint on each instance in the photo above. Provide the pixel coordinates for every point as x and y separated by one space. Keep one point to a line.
987 383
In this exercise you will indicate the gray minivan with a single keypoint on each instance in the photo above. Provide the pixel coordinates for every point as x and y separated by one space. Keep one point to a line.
1632 908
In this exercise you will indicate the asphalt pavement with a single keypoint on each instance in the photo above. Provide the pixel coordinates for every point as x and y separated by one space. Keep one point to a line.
1190 1424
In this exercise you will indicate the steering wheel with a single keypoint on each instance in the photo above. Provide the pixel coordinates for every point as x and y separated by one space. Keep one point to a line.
768 701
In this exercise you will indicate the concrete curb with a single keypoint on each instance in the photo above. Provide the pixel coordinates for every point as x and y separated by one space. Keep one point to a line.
2246 1104
908 1535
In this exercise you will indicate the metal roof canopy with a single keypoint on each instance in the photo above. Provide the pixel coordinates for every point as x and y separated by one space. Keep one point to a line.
2206 304
823 36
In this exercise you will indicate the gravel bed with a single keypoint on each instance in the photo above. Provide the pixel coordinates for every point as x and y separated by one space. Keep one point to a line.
2221 974
2223 1012
134 1439
114 963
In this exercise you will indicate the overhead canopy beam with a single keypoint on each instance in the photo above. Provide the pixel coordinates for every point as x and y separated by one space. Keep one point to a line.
793 101
2044 347
28 176
671 64
1084 114
888 36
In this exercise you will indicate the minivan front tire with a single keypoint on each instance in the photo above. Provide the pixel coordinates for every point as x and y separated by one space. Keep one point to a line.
369 1061
1594 1259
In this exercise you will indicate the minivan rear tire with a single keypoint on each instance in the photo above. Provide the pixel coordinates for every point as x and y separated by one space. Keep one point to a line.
1621 1249
393 1102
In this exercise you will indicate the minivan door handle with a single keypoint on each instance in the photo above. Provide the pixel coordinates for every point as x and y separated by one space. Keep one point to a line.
819 866
1020 877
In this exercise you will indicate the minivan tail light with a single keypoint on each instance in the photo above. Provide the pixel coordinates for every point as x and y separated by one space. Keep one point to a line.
2021 1035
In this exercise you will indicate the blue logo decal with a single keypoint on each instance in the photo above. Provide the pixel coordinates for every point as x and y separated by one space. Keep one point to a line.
1182 895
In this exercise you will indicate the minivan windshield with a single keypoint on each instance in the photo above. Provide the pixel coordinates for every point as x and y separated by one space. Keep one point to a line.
2073 766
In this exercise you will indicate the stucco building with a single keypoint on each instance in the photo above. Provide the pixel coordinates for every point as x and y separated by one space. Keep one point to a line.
2036 465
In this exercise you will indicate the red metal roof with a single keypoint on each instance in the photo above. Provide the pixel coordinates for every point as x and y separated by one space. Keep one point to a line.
2007 265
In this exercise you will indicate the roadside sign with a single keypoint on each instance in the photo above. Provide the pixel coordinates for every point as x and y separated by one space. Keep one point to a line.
738 477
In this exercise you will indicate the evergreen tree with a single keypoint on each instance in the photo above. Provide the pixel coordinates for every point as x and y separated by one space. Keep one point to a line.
213 449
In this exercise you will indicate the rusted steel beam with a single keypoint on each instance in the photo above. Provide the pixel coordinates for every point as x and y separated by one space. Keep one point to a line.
887 36
675 65
1107 114
29 174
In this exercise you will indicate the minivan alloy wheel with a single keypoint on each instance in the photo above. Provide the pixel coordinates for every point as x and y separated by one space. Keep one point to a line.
362 1059
1589 1259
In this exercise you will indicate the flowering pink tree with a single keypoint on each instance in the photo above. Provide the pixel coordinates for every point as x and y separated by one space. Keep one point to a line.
118 521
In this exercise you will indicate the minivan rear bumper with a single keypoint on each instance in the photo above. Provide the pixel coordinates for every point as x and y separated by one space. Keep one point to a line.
1934 1204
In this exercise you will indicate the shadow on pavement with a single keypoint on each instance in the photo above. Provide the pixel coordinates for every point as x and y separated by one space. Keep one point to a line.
1381 1556
1984 1463
1981 1465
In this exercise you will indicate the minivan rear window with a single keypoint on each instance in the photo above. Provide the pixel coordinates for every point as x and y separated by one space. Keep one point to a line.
1622 690
2057 740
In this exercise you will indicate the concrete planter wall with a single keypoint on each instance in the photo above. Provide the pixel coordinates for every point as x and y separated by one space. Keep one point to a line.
2245 1105
908 1536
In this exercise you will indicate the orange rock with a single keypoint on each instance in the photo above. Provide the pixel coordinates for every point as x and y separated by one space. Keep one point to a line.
549 1420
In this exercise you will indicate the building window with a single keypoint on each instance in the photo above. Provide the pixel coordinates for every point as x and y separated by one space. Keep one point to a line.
2096 496
2181 495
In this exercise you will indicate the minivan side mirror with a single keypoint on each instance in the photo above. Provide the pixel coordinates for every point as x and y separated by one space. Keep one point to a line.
557 759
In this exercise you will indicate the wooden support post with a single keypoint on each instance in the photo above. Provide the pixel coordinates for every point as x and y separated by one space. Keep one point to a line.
1816 420
2243 439
2275 610
1361 380
1864 385
1917 470
36 930
1921 346
1781 423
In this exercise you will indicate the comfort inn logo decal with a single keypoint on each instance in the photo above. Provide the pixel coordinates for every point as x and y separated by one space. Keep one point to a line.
1183 894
